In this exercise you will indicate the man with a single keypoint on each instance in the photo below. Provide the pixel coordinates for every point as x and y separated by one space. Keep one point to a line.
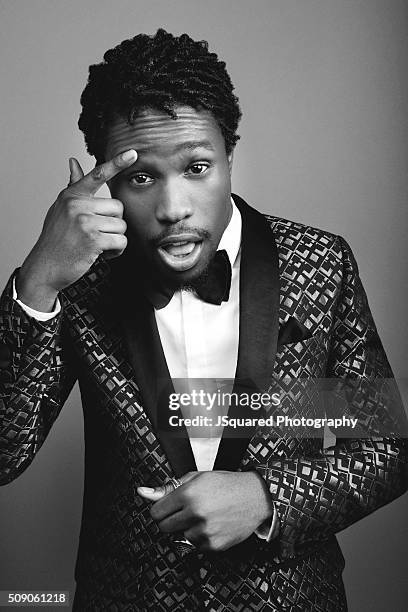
169 280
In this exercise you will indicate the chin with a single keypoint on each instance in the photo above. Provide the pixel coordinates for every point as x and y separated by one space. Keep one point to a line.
187 278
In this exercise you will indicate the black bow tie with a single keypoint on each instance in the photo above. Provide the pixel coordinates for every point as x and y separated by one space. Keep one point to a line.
213 287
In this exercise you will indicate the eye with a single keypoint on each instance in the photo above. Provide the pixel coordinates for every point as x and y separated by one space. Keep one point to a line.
198 168
140 179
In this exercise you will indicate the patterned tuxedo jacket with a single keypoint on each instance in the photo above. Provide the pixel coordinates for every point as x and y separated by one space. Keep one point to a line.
106 338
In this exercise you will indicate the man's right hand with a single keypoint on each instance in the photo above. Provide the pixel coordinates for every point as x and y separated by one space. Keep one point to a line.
77 229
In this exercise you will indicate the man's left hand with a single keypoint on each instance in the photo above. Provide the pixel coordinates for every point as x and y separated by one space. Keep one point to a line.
215 510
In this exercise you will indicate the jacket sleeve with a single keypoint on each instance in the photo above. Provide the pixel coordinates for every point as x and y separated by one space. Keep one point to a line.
317 496
36 377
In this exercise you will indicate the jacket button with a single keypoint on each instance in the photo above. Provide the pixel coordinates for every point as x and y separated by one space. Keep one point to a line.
5 356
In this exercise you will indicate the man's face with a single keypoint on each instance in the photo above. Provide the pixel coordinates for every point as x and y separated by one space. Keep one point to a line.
176 195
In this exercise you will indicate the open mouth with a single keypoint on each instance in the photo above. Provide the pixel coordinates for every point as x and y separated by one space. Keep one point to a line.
180 255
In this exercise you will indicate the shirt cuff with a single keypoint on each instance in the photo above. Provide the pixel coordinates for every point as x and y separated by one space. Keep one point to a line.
36 314
268 531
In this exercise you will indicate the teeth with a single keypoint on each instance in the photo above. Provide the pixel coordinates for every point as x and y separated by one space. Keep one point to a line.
177 243
180 249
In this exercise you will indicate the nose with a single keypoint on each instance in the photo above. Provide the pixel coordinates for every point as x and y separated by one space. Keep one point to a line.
174 204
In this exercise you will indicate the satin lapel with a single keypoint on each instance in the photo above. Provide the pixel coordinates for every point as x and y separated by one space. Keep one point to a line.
258 324
152 375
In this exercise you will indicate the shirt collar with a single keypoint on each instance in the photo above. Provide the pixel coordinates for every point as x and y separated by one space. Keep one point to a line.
231 238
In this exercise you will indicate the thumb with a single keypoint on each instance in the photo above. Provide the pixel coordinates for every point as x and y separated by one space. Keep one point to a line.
154 494
75 171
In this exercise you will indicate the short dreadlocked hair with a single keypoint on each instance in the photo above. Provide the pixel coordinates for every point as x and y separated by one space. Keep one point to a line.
157 72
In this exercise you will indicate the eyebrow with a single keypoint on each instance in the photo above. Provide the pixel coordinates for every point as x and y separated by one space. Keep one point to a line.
189 145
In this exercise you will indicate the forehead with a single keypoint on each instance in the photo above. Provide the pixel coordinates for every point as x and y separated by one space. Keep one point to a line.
155 132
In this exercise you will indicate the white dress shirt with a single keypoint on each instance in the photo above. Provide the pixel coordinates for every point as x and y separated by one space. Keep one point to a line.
200 340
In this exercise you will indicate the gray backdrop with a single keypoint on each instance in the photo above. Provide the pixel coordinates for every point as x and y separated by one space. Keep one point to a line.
323 88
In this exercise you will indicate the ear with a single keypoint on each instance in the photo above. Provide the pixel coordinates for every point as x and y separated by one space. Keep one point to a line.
230 160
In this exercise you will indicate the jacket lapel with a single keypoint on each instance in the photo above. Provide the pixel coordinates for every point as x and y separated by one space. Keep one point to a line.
145 354
258 325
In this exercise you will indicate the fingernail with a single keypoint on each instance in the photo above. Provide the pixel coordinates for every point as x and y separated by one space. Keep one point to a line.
145 490
71 165
129 155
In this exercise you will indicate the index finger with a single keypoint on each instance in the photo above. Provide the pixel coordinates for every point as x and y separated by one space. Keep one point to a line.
166 506
91 182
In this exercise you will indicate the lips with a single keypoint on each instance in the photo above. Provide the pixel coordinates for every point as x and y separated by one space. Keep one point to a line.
180 252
